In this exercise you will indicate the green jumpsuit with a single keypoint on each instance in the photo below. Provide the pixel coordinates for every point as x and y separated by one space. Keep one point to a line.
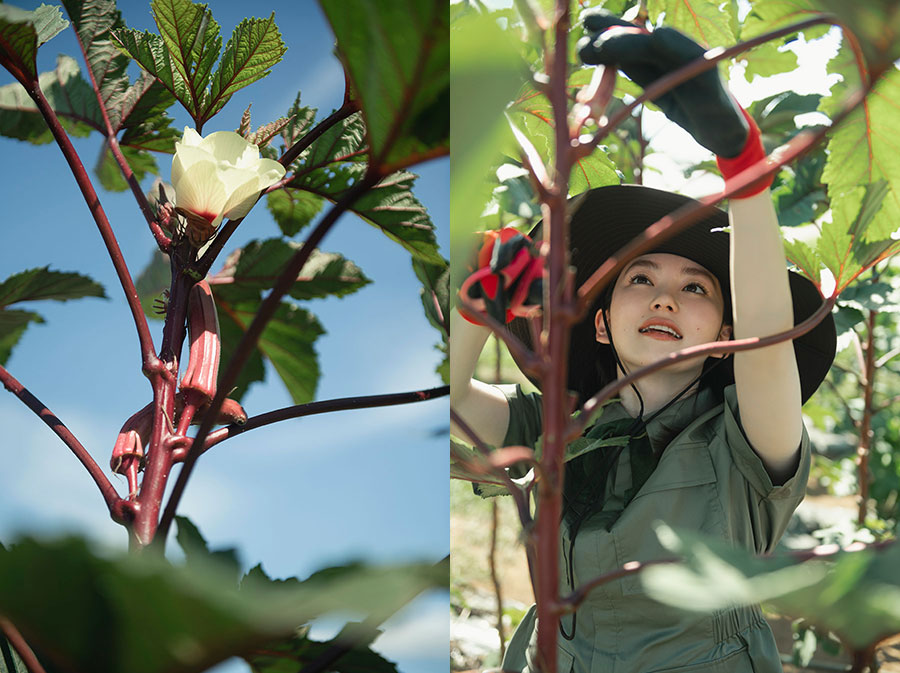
709 480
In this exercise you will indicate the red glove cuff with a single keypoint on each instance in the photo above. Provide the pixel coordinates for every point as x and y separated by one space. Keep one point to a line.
753 154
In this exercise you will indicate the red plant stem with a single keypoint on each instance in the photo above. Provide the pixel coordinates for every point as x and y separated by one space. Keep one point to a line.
557 302
159 449
322 407
865 430
863 659
642 144
525 359
148 354
162 240
576 598
295 150
250 338
495 579
107 490
113 142
20 646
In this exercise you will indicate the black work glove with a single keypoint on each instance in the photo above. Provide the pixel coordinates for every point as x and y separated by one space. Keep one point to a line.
701 106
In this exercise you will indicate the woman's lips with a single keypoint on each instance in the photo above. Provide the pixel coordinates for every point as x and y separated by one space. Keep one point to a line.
661 330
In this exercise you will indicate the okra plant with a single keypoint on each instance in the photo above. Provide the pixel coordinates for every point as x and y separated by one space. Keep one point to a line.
249 220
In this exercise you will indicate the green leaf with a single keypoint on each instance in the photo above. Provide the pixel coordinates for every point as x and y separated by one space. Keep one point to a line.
709 22
344 141
862 152
301 119
397 53
855 594
254 47
36 285
231 329
66 599
390 205
138 108
154 280
594 170
13 324
70 96
767 60
298 651
486 72
516 195
182 56
435 295
93 20
851 242
800 196
775 114
872 296
768 16
110 174
533 116
197 552
42 283
804 257
870 23
255 267
435 292
846 318
293 209
22 32
287 341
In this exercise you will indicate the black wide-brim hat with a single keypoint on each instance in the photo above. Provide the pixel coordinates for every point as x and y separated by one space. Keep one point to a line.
605 219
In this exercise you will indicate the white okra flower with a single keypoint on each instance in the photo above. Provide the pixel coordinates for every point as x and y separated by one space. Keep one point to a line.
216 177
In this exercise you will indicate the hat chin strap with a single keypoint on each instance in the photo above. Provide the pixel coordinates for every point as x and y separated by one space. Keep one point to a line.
620 366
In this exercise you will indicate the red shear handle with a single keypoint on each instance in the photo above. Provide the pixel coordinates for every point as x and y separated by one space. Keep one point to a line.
507 282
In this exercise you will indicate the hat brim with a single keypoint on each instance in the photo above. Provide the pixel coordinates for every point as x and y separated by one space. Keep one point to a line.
607 218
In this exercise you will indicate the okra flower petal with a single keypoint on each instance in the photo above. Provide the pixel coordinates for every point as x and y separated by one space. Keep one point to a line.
220 175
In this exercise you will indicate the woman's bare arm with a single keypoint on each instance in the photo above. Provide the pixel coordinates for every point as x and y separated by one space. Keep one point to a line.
483 407
768 385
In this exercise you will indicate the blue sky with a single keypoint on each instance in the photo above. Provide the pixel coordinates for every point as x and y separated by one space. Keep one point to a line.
295 496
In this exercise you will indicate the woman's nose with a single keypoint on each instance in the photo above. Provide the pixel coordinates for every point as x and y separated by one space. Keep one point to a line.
665 302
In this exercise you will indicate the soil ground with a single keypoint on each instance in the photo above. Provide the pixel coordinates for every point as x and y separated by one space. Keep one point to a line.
474 639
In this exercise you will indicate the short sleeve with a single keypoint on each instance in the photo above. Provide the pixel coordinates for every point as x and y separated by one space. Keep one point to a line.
751 465
525 418
769 505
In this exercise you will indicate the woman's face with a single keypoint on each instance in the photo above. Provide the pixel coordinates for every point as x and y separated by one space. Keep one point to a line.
662 303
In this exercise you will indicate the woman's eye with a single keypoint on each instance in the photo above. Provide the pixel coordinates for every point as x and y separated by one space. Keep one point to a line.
696 288
639 279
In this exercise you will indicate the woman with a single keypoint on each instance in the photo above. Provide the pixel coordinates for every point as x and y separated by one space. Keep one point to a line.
706 447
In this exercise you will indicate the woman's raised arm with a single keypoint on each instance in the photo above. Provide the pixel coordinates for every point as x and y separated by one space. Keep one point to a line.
483 407
767 382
